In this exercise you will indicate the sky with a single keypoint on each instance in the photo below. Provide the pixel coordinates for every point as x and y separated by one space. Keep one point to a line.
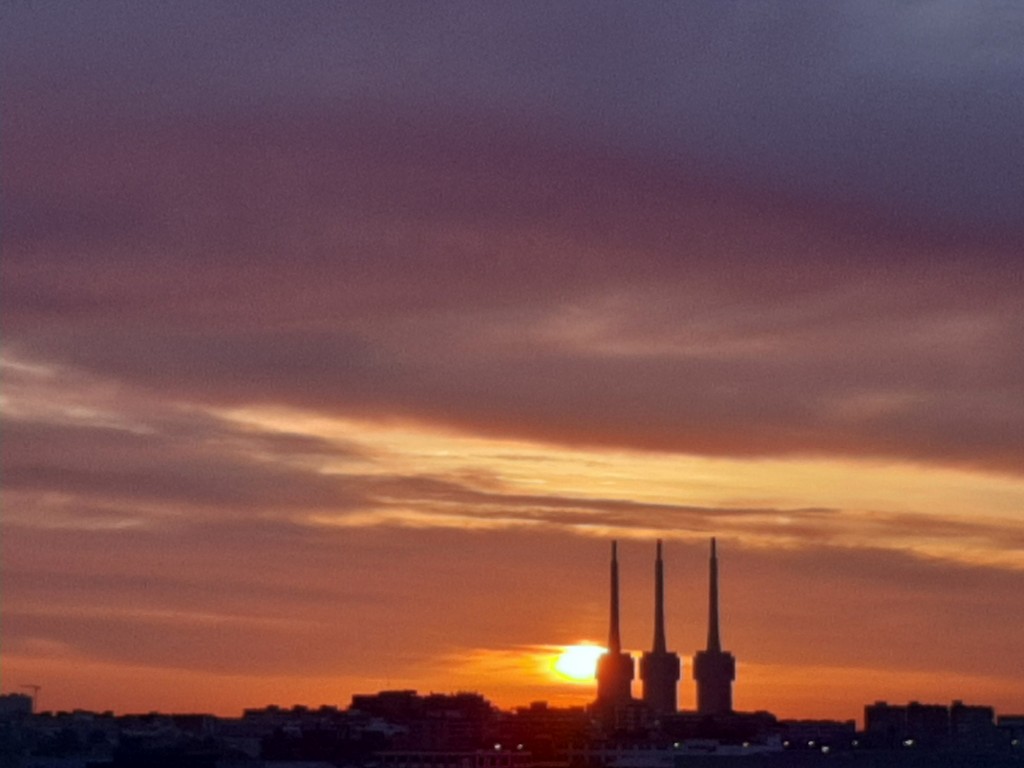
340 339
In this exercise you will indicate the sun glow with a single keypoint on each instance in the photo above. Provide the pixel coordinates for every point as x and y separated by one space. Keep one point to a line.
578 663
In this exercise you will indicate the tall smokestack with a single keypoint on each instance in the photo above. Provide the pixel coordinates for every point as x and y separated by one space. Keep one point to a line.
714 639
714 669
660 669
614 641
659 603
614 668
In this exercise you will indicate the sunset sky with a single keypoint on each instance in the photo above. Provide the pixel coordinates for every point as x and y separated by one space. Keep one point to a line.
340 339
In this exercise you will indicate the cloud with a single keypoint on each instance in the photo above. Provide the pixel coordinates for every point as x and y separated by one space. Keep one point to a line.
116 465
783 274
588 303
85 452
176 470
899 106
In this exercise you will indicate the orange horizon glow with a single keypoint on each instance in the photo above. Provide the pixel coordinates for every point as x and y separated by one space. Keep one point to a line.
786 691
556 498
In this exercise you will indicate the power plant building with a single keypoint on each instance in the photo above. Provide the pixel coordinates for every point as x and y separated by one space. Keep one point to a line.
714 669
660 669
614 667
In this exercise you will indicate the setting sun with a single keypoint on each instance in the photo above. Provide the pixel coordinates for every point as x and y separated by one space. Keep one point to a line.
578 662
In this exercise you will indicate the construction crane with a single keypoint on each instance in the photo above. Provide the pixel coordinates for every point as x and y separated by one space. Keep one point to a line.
35 695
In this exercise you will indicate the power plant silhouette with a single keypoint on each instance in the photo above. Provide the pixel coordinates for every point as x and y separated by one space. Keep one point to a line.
714 670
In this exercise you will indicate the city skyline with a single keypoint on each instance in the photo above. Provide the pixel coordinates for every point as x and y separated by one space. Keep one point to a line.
338 337
615 673
542 662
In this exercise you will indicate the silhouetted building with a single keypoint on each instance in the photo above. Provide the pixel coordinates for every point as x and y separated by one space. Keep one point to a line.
15 705
885 725
1011 728
659 669
435 721
714 669
394 706
541 730
933 726
614 668
930 726
927 724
